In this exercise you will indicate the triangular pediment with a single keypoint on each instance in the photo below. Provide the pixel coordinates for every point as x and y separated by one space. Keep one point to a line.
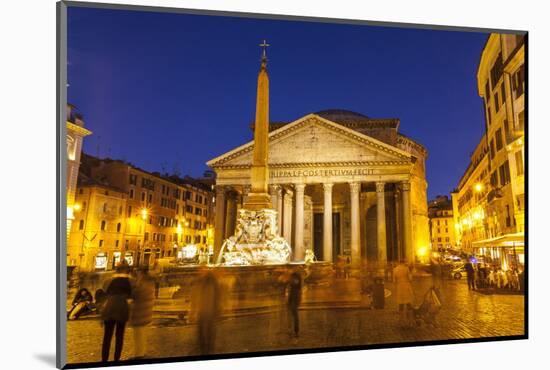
313 139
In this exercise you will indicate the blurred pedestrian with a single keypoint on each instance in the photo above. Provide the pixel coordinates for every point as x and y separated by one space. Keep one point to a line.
470 274
294 300
115 312
142 310
404 294
436 273
207 308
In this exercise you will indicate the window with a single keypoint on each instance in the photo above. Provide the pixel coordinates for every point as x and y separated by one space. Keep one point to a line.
437 222
496 71
83 205
80 191
447 239
187 195
133 179
492 149
127 244
504 172
150 199
502 93
146 236
506 128
494 179
487 92
198 211
498 138
101 243
519 163
497 106
103 225
116 243
189 209
508 218
204 239
143 196
439 240
438 230
104 207
129 211
131 193
446 231
518 81
118 226
204 213
521 120
81 225
446 220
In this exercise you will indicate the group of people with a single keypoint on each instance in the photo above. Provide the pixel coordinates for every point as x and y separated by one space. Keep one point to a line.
485 276
126 298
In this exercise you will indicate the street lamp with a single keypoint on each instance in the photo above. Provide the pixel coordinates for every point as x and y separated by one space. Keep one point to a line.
144 214
478 187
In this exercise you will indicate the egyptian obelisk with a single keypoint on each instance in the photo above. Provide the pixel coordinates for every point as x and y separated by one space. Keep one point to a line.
257 240
258 198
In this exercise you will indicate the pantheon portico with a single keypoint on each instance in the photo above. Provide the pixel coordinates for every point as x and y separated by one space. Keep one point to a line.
342 183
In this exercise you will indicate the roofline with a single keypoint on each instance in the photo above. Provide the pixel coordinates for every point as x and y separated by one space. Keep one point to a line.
301 119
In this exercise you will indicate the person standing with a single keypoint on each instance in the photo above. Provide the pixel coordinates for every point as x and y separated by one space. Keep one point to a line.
116 312
404 294
294 300
142 310
207 308
470 274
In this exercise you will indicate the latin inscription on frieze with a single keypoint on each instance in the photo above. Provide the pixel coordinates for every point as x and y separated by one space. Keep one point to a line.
322 172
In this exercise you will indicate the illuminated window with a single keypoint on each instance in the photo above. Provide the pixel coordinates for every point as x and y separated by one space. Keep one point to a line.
519 163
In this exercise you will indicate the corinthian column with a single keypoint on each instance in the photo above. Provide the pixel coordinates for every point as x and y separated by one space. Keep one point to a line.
407 222
299 252
355 245
219 223
279 209
231 214
287 214
327 223
381 222
273 194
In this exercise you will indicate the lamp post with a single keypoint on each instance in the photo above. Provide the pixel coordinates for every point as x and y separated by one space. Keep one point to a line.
144 215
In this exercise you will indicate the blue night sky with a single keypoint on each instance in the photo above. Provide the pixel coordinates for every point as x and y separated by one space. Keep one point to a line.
171 91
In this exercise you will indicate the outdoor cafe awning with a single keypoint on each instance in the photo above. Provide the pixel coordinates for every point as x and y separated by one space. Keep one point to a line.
505 241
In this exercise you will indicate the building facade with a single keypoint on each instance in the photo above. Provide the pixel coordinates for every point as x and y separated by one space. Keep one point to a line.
490 198
342 183
157 215
442 225
75 135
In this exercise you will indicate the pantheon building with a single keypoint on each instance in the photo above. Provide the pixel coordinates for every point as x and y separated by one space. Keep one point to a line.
343 184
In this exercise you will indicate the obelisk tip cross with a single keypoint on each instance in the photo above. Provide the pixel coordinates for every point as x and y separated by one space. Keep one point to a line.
264 46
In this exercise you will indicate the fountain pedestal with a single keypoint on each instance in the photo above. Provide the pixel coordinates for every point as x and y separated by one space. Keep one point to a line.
256 241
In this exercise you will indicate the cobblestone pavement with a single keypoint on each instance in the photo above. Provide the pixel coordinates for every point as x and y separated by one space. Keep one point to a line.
464 315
